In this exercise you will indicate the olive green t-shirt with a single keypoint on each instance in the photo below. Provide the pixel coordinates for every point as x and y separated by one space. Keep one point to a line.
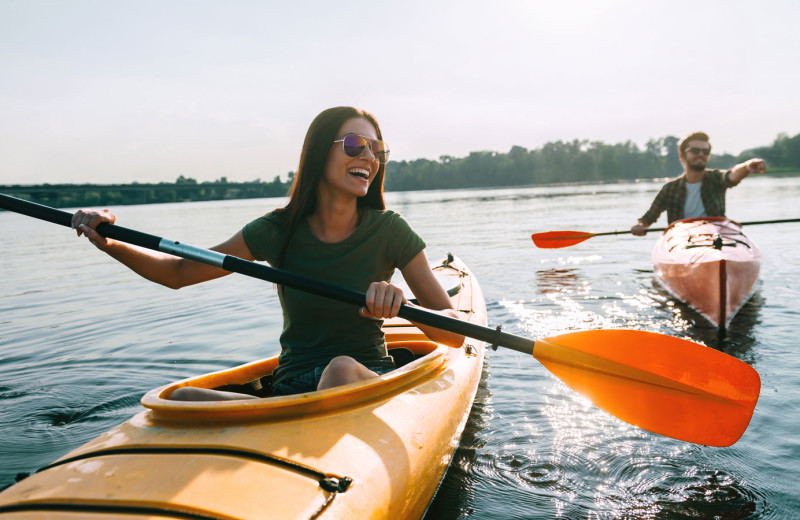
317 329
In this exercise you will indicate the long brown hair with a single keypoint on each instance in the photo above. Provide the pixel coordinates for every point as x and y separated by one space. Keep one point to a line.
313 158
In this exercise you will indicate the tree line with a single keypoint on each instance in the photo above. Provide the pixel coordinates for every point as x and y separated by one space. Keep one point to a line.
555 162
573 161
184 189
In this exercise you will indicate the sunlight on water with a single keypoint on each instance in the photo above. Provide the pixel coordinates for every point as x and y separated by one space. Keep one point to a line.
82 339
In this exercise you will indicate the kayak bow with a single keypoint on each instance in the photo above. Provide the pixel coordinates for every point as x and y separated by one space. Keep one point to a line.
709 264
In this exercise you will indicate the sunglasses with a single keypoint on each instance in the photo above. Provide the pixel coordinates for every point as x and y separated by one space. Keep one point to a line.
698 151
354 145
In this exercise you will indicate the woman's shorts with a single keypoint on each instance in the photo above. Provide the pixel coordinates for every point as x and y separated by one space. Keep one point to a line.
309 381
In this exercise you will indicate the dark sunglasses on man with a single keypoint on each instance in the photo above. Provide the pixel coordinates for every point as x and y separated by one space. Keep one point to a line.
697 151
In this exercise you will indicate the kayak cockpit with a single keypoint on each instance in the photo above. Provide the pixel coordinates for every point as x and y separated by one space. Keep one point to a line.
421 360
418 360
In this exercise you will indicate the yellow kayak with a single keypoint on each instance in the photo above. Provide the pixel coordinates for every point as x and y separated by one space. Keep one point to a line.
373 449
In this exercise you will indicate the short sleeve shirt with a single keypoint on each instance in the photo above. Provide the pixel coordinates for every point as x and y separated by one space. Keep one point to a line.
317 329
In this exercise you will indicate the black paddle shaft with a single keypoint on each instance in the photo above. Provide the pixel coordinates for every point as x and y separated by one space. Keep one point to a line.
754 223
270 274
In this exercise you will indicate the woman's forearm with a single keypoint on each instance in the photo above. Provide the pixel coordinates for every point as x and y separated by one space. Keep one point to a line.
162 268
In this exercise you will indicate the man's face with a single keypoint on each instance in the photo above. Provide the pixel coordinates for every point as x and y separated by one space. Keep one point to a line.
696 155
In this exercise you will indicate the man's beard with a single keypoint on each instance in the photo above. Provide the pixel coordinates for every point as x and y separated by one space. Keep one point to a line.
698 167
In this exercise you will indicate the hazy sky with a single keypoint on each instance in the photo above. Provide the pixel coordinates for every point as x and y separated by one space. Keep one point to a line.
110 91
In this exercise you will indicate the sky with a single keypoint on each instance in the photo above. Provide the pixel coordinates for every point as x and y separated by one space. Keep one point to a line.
108 91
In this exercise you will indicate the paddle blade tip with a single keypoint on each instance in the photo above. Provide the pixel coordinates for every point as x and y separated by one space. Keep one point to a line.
669 386
559 239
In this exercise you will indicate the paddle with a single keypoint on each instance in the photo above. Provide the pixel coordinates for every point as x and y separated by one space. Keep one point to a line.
558 239
670 386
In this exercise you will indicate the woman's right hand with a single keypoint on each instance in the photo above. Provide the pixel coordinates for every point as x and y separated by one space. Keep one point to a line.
383 301
85 221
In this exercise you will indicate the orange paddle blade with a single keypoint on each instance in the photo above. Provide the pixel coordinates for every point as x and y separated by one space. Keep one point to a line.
670 386
557 239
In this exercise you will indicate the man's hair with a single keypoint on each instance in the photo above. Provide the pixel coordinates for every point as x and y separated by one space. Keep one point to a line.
697 136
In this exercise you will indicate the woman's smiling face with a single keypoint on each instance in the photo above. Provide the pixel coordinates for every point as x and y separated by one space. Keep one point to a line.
347 174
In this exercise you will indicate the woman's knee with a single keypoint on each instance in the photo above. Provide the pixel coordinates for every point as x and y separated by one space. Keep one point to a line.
342 370
186 393
343 364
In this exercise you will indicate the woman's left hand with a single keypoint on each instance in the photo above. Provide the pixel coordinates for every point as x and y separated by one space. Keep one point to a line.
383 301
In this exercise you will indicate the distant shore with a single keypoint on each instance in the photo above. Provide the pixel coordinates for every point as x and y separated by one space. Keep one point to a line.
76 195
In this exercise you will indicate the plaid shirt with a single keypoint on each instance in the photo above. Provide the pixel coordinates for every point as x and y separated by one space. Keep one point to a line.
672 197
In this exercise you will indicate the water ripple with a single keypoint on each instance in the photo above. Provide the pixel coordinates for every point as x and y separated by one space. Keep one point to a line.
81 339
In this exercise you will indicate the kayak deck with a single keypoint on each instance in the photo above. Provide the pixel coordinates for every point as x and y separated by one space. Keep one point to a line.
372 449
709 264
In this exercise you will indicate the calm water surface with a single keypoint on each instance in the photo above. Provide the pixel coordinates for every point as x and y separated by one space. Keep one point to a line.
82 339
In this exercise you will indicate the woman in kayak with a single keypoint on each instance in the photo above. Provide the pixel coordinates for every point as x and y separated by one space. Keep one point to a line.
335 227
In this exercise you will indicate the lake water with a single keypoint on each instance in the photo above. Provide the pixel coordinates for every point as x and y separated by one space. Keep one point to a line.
82 339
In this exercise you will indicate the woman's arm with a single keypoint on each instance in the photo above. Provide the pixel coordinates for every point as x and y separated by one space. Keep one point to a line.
430 294
167 270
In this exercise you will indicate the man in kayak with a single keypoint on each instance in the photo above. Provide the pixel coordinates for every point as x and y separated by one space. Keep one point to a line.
697 192
334 227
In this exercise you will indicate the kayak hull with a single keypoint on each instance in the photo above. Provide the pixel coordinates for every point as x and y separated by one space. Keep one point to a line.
373 449
709 264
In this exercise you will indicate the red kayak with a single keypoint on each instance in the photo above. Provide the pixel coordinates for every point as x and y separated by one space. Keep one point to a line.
708 263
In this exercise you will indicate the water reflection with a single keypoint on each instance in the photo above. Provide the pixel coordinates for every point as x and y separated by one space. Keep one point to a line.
736 340
708 493
456 496
501 195
557 280
584 463
531 449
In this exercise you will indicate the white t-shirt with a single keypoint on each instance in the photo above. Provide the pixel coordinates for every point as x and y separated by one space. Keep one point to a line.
694 203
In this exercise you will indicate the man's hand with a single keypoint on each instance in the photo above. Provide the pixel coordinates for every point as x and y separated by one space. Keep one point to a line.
755 166
639 229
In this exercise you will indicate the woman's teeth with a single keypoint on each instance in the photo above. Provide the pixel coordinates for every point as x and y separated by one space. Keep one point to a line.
359 172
